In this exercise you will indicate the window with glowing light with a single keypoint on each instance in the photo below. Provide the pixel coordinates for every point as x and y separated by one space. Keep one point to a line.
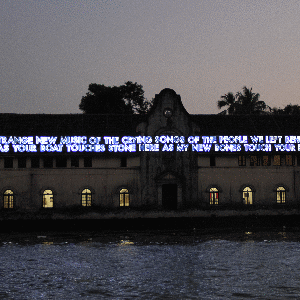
242 160
254 160
289 160
47 199
124 197
280 195
86 197
213 196
266 160
8 199
247 196
277 160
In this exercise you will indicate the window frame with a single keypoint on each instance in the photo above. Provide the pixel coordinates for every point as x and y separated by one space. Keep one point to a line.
123 163
86 202
289 160
88 162
48 162
214 196
255 161
61 161
9 203
281 194
35 162
250 191
277 160
44 195
8 162
124 197
22 162
212 161
242 160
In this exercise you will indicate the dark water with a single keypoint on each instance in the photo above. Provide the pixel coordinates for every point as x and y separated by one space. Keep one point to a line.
151 265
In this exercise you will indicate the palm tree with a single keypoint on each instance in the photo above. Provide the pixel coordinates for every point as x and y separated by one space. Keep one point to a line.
228 100
249 103
244 103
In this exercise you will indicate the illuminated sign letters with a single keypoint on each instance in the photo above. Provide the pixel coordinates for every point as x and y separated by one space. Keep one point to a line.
158 143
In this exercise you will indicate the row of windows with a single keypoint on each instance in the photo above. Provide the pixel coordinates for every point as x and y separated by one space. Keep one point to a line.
247 195
266 160
50 162
124 197
86 198
61 161
263 160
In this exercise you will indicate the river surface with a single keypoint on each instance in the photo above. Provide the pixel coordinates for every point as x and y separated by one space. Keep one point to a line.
151 265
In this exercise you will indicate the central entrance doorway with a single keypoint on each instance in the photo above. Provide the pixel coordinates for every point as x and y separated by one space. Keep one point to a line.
169 196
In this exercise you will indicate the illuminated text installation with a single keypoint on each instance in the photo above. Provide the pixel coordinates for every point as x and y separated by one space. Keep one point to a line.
163 143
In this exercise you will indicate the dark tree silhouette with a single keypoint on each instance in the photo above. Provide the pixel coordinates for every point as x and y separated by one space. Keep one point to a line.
230 101
125 99
243 103
290 109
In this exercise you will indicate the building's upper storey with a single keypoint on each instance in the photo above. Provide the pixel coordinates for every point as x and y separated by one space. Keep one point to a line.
167 123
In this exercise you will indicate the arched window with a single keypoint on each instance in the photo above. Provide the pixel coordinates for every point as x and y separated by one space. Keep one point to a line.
47 198
8 199
124 197
213 196
86 197
280 193
247 195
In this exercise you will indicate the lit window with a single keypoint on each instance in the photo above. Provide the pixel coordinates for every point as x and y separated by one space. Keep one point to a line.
124 197
289 160
266 161
86 197
8 199
47 198
277 160
242 160
254 160
280 195
247 195
213 196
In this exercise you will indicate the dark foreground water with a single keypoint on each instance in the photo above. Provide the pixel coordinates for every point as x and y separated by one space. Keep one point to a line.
151 265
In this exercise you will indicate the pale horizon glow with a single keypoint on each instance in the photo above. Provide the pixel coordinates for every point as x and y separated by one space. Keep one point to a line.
52 50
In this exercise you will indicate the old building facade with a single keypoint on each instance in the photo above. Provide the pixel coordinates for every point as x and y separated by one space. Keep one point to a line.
169 160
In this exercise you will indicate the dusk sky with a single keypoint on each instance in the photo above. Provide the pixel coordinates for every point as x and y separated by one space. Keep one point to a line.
52 50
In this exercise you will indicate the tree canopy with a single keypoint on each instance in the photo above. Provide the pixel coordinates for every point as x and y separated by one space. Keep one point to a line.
242 103
290 109
125 99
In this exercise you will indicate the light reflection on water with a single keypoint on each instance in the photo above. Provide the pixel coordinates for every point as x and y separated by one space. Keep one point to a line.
151 265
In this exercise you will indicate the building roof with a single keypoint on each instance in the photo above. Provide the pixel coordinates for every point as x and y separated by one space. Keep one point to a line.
68 124
119 125
247 124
